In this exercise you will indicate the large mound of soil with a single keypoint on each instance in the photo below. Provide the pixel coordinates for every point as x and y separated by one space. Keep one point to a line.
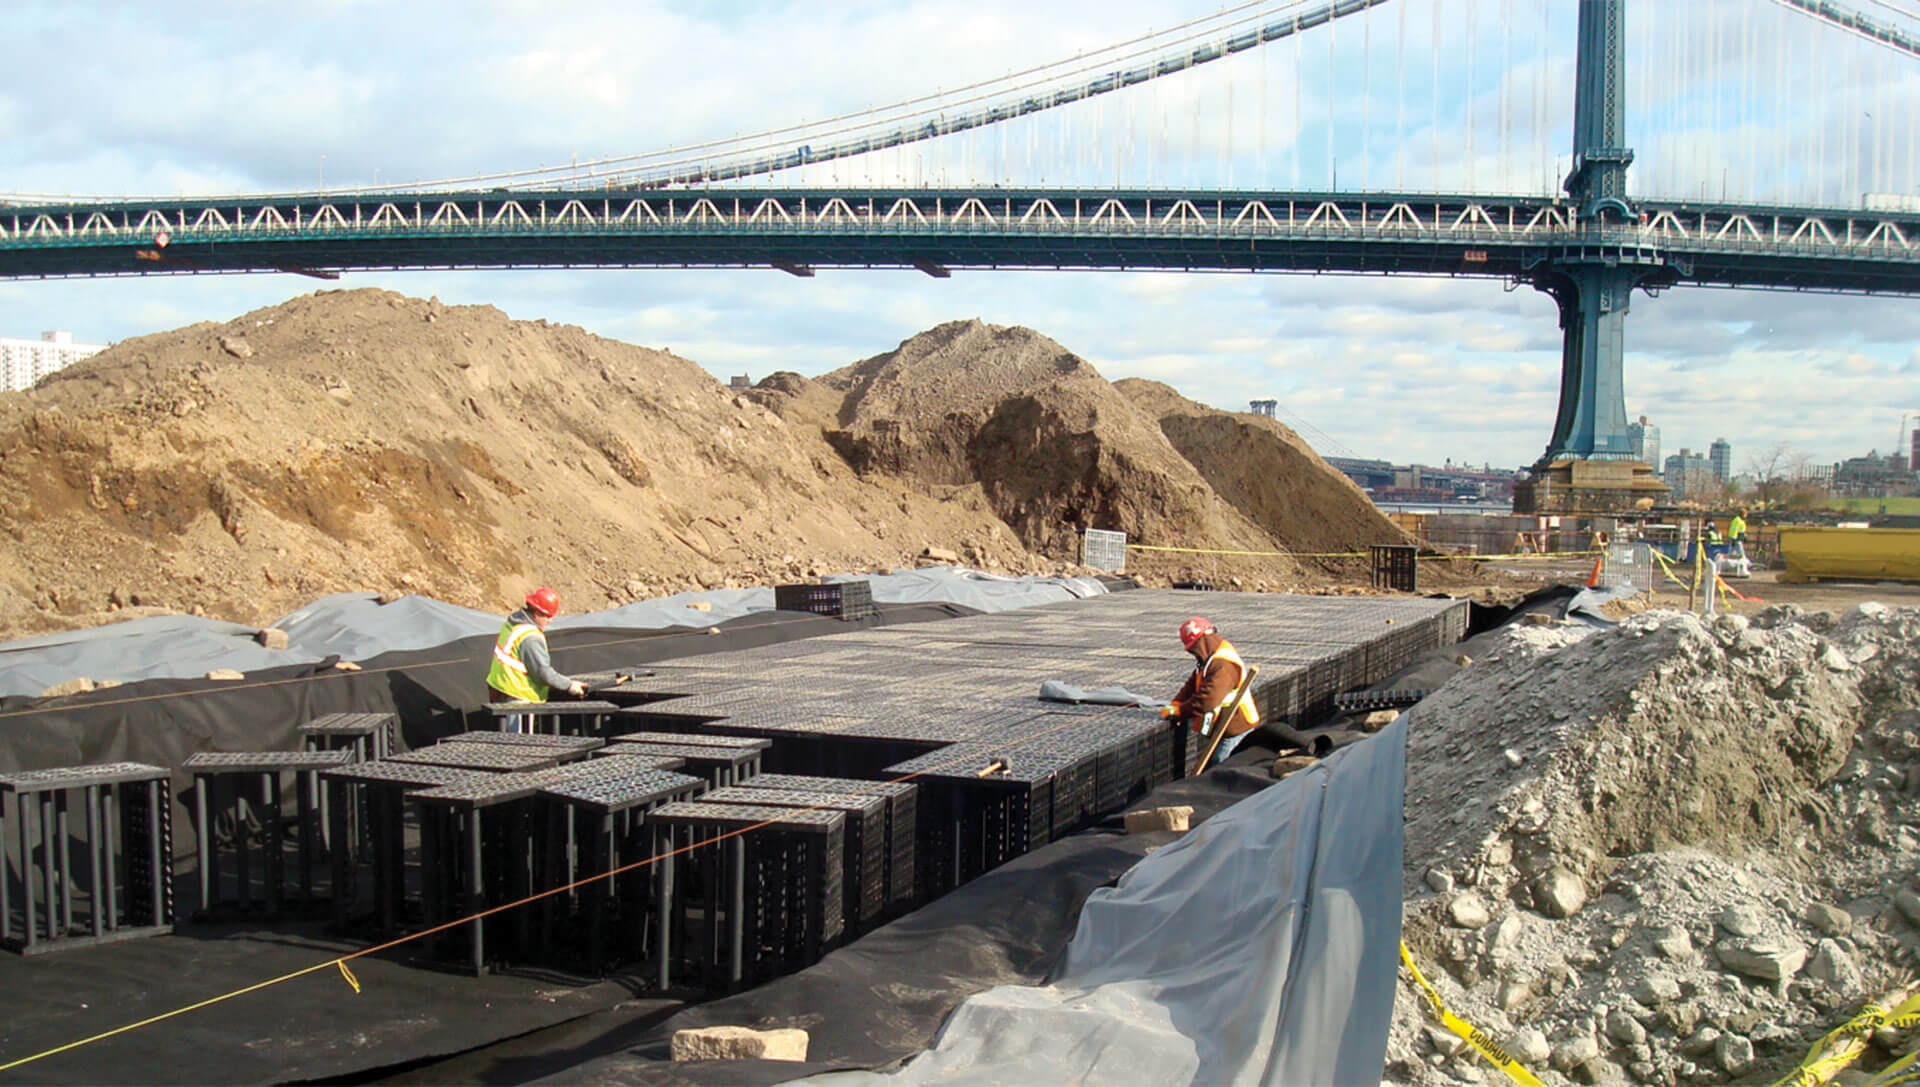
1057 449
365 440
1267 472
362 439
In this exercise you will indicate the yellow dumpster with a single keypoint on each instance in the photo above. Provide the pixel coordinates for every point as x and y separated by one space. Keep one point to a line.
1875 554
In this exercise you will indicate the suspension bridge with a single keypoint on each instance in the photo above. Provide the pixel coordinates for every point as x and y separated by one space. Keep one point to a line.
1809 182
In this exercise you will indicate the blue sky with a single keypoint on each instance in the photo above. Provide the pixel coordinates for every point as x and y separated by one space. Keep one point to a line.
1427 95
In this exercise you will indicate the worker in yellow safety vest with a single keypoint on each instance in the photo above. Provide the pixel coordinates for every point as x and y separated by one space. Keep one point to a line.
522 668
1737 532
1217 673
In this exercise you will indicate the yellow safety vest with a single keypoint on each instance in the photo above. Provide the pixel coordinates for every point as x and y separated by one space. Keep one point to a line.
1248 711
508 675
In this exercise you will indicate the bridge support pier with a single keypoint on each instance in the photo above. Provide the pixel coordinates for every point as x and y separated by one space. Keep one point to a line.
1593 289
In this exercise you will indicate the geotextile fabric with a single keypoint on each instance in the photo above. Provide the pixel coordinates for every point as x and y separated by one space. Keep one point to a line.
1262 948
357 627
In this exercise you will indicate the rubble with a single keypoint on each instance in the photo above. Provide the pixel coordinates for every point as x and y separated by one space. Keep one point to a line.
1702 861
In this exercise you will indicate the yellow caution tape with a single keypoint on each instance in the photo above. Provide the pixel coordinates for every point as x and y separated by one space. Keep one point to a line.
1900 1071
348 974
1356 554
1844 1044
1666 567
1469 1033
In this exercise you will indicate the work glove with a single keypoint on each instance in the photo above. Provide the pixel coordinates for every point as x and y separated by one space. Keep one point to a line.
1170 711
577 689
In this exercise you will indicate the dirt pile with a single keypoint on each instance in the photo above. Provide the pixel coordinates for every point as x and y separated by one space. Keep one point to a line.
365 440
1055 449
1670 852
362 439
1266 471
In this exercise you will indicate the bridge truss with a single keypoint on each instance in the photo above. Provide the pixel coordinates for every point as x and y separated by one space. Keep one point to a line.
799 230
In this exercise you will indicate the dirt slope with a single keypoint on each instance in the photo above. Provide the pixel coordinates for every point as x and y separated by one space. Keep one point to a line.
362 439
365 440
1054 446
1267 472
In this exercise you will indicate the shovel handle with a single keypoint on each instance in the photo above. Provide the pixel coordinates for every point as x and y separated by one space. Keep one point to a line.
1226 717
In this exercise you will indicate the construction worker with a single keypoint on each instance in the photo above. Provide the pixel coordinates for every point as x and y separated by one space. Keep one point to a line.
1216 676
522 669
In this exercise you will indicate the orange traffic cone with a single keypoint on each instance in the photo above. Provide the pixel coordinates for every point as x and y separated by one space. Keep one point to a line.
1593 579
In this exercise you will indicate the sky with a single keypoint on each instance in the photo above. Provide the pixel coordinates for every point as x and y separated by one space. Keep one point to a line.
1740 98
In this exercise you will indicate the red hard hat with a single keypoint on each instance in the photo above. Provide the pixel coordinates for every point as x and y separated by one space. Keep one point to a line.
544 601
1193 630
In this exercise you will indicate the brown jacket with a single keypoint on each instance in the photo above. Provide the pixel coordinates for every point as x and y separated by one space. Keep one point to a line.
1212 683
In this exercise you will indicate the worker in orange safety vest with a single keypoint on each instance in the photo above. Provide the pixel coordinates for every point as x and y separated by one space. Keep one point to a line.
1216 675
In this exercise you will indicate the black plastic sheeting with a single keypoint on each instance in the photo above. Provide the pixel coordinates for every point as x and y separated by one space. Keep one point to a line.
310 1027
162 721
883 998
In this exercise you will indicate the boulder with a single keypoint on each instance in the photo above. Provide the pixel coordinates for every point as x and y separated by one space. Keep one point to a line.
739 1044
1835 965
1175 818
1656 990
1733 1053
1828 920
1378 719
1742 919
1468 911
1445 1042
1575 1051
271 637
1908 903
1762 957
1529 1046
1672 942
1560 893
1624 1028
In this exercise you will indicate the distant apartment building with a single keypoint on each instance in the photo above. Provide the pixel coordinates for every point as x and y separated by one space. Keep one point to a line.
24 362
1720 457
1687 471
1644 437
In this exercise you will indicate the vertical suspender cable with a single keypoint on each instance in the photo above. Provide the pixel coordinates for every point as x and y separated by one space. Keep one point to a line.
1366 94
1297 114
1473 34
1333 66
1400 103
1504 182
1435 182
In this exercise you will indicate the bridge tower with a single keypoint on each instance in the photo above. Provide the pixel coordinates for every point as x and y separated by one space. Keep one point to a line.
1593 283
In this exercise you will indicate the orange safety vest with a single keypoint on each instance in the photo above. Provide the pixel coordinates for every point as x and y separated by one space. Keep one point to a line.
1248 716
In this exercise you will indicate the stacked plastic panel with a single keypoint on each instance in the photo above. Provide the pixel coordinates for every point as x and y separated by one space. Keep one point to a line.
945 702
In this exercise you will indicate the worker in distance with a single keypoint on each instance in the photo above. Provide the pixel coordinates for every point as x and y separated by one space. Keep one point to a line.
1218 673
522 669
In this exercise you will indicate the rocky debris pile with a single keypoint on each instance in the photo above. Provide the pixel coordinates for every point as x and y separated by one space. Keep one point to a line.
1672 851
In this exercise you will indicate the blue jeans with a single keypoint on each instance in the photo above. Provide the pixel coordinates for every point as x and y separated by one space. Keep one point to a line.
1226 748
